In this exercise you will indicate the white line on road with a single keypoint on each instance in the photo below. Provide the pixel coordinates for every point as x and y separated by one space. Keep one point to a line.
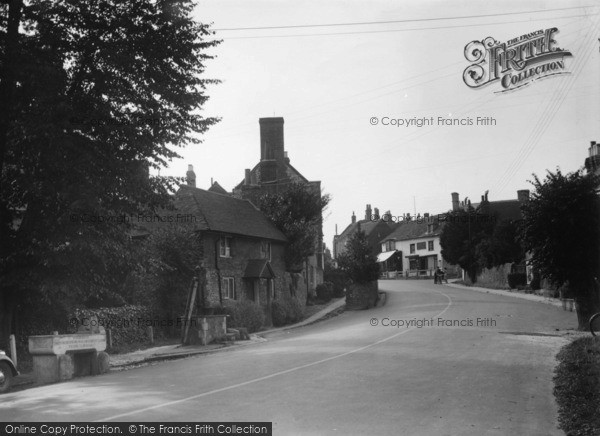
267 377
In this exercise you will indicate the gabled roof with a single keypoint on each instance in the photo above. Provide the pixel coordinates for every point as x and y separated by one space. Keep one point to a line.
413 230
218 189
258 269
366 226
225 214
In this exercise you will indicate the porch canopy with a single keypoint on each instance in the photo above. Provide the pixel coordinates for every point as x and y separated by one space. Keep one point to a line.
382 257
258 269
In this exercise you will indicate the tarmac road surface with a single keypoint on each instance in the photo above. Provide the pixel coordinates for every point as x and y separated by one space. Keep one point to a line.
435 360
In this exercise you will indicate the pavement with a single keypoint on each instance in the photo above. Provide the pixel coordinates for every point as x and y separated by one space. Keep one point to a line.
177 351
515 294
435 360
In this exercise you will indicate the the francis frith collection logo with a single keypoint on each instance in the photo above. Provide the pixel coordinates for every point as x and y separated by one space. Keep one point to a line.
514 63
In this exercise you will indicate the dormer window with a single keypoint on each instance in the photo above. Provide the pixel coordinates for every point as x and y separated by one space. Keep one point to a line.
429 228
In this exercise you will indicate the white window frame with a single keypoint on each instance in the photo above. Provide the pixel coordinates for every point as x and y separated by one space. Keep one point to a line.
225 247
430 246
229 288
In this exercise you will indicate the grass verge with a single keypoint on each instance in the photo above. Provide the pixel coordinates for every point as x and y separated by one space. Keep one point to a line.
577 387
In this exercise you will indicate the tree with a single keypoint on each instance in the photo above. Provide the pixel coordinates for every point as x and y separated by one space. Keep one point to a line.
561 231
297 212
463 233
358 261
101 91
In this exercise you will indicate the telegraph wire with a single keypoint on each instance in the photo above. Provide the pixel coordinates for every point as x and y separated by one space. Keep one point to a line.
414 20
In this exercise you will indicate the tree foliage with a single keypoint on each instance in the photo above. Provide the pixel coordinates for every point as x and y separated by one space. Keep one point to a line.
358 261
103 91
561 230
297 212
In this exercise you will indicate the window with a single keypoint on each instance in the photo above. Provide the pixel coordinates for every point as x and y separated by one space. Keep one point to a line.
229 288
225 250
429 228
430 243
412 248
389 245
265 250
421 245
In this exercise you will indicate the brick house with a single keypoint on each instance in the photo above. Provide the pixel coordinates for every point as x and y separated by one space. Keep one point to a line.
242 251
273 174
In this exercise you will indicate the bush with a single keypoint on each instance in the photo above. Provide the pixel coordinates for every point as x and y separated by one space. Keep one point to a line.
245 313
324 291
338 279
516 279
536 282
126 323
286 311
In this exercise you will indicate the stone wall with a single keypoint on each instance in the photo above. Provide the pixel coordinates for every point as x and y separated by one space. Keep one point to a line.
361 296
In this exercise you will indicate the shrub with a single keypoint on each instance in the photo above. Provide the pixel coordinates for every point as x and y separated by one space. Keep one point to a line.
324 291
286 311
127 323
338 279
536 282
245 313
516 279
278 313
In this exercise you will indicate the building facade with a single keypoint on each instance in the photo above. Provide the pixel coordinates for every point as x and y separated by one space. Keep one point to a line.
273 174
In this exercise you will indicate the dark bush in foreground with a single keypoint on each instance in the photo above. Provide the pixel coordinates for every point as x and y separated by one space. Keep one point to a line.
245 313
516 279
577 387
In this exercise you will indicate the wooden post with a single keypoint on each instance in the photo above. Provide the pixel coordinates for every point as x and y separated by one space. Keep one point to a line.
13 349
108 338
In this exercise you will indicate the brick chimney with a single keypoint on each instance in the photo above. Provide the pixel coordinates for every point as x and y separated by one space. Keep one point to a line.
455 202
271 139
191 176
523 195
376 213
368 212
247 174
353 218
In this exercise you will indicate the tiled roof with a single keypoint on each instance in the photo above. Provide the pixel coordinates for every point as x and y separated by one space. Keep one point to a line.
226 214
218 189
366 226
506 209
406 230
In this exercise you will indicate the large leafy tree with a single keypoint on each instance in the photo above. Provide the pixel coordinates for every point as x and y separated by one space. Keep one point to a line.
466 238
561 230
358 261
298 213
94 95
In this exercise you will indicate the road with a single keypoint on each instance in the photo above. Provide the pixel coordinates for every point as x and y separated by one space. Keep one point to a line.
348 376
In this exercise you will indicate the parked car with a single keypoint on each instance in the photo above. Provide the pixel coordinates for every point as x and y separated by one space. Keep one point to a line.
7 372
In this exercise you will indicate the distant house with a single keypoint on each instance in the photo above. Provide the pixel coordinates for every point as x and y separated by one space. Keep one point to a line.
373 225
243 252
273 174
413 248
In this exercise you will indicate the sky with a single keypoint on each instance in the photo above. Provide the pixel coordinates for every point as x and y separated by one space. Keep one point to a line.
332 69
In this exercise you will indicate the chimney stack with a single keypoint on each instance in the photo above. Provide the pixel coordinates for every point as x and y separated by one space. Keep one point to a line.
247 176
455 202
368 212
376 213
353 218
523 195
191 176
271 139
